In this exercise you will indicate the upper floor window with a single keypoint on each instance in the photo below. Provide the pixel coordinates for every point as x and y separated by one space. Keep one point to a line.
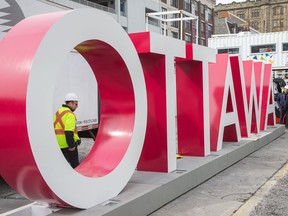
175 23
274 11
210 16
255 25
187 6
210 31
164 16
278 10
174 3
281 10
255 13
241 14
164 32
202 8
188 25
174 34
263 48
202 42
187 37
202 27
123 7
285 47
281 23
195 8
229 50
151 20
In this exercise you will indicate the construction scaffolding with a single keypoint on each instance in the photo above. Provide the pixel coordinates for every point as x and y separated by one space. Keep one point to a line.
183 15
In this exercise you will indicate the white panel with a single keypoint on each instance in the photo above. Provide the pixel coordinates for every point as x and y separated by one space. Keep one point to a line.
247 40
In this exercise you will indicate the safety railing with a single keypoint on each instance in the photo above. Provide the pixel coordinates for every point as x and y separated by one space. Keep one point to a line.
95 5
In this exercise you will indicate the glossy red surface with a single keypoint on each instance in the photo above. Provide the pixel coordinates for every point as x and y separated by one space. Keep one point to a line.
17 52
267 115
154 153
117 108
253 97
240 96
217 77
17 164
190 105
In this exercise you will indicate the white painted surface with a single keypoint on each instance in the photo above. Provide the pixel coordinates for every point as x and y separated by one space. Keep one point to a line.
245 41
62 37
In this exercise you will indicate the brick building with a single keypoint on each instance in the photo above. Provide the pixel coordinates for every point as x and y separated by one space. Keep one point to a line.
262 15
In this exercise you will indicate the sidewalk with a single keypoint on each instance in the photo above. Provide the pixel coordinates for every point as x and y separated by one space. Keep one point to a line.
245 184
222 194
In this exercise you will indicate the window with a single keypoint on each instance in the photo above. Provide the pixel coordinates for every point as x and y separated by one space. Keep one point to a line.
263 48
255 25
255 13
195 7
151 20
285 47
274 23
174 34
123 7
241 14
174 3
210 31
188 25
274 11
202 28
202 7
210 16
281 23
187 6
175 23
164 16
229 50
281 10
202 42
187 38
164 32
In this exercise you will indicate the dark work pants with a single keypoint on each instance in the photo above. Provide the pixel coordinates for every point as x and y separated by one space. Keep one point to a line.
71 156
283 112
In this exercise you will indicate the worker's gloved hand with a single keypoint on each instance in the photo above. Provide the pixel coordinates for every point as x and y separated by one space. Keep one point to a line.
78 142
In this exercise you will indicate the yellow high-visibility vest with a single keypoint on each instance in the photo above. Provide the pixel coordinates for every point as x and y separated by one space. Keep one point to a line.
64 120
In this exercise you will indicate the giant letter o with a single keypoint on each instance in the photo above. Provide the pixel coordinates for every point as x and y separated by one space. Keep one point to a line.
31 56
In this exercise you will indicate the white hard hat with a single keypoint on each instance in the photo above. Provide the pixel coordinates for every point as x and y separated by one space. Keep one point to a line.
286 87
71 97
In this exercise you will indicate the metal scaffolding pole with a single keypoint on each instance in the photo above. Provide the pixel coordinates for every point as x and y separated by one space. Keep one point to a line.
184 15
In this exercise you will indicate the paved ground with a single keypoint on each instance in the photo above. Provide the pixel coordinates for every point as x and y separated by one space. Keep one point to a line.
9 199
275 198
256 185
226 192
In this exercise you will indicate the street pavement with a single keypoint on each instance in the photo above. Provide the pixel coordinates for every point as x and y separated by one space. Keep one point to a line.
263 175
256 185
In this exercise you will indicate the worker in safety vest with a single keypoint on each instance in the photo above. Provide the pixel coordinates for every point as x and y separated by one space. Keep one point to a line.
65 129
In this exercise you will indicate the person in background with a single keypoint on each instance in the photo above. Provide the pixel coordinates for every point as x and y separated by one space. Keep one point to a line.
65 129
282 101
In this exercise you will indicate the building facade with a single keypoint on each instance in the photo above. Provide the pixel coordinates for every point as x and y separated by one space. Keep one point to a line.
262 15
132 16
193 31
270 48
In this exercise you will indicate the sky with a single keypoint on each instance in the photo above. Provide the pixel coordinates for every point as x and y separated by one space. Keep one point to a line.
228 1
